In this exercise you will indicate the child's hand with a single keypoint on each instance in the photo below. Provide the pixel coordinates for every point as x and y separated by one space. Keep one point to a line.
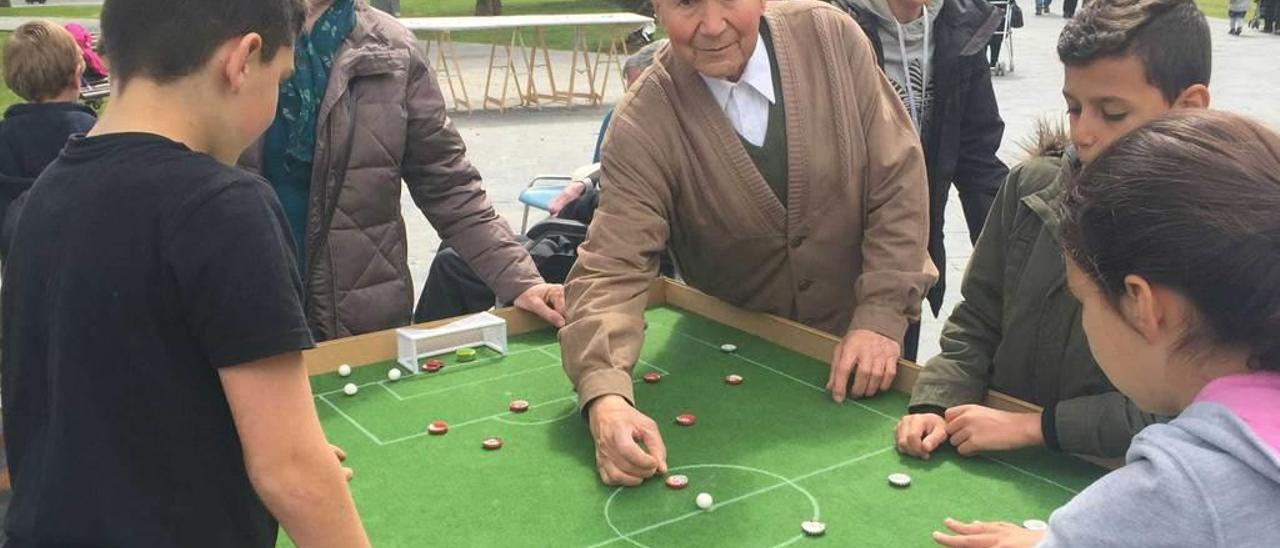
975 428
987 535
918 435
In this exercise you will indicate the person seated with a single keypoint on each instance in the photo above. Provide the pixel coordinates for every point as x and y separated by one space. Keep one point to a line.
1172 247
43 66
454 289
768 153
1017 331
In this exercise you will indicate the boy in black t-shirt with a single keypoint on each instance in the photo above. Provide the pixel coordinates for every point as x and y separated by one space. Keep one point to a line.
153 386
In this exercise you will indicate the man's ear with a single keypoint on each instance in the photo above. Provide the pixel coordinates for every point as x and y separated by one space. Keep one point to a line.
1196 96
244 54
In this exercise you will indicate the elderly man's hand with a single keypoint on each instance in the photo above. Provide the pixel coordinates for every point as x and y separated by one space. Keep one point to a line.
987 535
545 300
568 194
619 430
872 358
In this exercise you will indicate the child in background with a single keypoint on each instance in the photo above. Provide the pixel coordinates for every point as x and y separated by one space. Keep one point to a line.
1236 11
42 65
1173 249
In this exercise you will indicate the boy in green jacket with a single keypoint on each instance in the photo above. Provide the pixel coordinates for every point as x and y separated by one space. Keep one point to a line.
1017 329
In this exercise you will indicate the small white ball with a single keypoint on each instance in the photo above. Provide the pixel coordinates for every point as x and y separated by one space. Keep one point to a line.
344 370
350 389
704 501
394 374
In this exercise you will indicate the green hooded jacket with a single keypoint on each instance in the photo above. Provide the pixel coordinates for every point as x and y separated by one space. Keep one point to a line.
1017 329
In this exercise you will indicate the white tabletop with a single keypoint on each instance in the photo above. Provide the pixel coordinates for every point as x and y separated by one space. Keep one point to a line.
452 24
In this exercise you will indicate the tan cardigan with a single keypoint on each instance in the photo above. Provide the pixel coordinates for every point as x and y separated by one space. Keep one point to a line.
847 251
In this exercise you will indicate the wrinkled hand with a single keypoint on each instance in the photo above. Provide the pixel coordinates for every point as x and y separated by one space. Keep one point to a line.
976 428
873 360
619 430
342 457
918 435
569 193
545 300
987 535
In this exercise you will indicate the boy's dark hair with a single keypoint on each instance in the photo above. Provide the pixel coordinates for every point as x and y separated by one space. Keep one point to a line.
1169 37
164 40
1189 202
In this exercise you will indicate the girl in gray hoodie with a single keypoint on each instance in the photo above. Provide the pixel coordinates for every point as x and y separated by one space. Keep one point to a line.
1173 249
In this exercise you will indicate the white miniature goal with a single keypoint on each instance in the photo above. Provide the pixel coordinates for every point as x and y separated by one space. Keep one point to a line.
483 329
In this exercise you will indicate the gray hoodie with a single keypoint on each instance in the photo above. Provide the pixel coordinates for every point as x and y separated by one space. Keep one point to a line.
1203 480
908 56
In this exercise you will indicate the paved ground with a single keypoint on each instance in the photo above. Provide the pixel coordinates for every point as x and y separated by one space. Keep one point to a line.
510 148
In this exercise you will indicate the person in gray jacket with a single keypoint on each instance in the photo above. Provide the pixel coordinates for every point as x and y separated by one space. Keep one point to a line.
1172 246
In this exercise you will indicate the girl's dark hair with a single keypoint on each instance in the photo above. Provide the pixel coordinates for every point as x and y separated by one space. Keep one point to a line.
165 40
1191 202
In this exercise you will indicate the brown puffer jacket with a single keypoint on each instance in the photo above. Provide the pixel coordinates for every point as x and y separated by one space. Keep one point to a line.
382 120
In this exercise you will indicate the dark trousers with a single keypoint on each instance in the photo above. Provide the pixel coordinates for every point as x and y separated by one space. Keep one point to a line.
911 342
996 42
452 289
1069 8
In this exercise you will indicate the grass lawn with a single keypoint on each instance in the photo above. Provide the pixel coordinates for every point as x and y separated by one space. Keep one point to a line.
561 38
557 38
51 11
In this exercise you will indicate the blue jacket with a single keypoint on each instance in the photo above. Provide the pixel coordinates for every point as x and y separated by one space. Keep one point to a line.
31 137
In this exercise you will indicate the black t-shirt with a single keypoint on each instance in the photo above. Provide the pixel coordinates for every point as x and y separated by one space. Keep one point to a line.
139 269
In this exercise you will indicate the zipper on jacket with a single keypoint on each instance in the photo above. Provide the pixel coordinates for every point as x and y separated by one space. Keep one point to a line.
340 172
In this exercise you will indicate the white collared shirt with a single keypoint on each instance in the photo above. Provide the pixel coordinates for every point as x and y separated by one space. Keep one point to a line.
746 102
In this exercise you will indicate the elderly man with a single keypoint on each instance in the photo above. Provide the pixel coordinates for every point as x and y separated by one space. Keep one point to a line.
767 151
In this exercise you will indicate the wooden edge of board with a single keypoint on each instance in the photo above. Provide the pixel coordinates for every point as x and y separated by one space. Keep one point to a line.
806 340
381 345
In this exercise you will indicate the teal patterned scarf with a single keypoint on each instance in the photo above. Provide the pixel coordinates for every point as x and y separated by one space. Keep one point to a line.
300 97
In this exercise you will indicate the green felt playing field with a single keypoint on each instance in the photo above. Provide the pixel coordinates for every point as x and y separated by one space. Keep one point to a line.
773 451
